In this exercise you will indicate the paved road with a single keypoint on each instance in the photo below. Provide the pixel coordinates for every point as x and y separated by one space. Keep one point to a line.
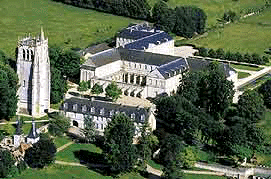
36 121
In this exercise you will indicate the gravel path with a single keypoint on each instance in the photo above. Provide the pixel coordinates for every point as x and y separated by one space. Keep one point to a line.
64 146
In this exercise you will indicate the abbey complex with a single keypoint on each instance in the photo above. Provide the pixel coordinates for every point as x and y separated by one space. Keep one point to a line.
142 64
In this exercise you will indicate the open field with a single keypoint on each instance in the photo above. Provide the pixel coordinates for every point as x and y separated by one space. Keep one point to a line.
249 35
67 26
215 9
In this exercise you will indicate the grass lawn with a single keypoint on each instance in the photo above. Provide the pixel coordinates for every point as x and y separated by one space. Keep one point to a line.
64 25
242 75
68 172
249 35
215 9
62 140
155 165
245 67
69 153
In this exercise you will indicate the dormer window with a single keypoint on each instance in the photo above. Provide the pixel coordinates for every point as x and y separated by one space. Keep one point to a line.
142 118
65 106
111 113
133 116
92 110
84 109
102 111
74 107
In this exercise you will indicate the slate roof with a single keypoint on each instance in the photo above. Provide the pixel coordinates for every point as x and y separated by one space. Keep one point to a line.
137 32
143 43
135 35
199 64
173 68
96 48
103 58
105 106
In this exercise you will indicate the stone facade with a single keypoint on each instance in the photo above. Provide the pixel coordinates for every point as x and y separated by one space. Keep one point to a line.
33 69
102 111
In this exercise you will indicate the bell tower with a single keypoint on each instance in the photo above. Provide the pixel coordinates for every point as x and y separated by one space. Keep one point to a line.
33 69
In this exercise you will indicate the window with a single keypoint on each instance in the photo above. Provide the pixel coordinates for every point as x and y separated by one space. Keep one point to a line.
133 116
84 109
74 107
146 67
102 111
142 118
97 126
111 113
24 83
24 54
92 110
102 126
66 106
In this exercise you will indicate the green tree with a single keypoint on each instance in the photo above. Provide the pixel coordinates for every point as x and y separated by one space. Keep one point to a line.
8 91
97 89
7 164
113 91
119 135
59 125
89 129
163 16
188 157
83 86
58 86
146 141
170 149
251 106
189 20
265 90
41 154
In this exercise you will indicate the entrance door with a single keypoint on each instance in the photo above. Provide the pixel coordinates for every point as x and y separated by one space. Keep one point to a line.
75 123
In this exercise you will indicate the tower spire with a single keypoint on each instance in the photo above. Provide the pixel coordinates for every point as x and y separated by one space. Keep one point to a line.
41 34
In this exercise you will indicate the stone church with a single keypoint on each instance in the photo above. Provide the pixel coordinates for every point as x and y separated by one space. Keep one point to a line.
33 69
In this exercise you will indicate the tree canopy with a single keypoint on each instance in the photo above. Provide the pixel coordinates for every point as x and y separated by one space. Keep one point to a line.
119 134
7 164
58 125
265 90
113 91
8 91
97 89
41 154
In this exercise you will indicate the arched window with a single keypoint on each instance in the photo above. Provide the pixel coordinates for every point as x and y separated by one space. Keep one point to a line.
32 55
24 54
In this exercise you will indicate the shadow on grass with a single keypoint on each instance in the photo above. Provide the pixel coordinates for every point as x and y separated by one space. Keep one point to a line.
94 161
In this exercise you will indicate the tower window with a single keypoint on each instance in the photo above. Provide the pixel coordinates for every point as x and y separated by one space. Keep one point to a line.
23 54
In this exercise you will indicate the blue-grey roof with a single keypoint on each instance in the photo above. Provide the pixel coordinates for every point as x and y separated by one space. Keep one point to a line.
196 64
145 57
137 32
173 68
134 34
106 107
143 43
